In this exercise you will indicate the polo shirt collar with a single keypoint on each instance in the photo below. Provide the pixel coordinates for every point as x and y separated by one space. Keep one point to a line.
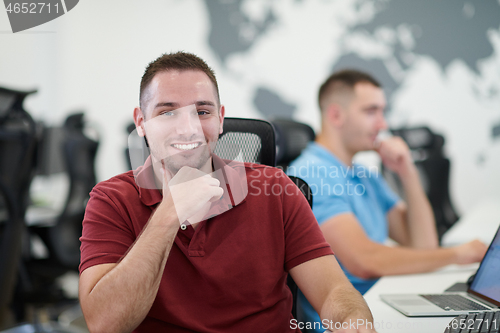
231 174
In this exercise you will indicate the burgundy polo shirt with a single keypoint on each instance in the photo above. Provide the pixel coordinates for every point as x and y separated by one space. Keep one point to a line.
228 275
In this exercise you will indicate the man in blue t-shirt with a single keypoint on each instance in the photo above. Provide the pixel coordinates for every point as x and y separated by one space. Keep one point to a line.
354 206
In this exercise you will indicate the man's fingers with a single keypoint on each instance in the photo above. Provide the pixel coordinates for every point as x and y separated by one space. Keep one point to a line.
217 194
213 181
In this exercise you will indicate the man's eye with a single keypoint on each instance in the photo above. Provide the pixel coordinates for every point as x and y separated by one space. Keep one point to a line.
167 113
203 112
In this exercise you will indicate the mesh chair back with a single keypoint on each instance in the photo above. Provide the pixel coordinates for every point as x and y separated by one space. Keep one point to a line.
247 140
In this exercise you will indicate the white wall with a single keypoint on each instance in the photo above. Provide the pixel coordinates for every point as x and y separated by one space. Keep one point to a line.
92 59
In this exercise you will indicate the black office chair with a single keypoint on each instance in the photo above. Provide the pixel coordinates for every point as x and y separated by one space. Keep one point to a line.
37 285
79 153
291 138
247 140
306 191
17 167
61 238
434 169
253 141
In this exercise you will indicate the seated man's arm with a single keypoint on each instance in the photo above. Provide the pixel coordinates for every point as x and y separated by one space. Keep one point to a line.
367 259
117 297
397 223
331 294
411 224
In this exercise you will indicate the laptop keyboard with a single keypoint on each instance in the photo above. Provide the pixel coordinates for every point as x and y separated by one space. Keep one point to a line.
454 302
484 322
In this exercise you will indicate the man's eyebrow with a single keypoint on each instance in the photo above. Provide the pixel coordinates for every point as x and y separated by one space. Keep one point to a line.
201 103
167 104
177 105
374 107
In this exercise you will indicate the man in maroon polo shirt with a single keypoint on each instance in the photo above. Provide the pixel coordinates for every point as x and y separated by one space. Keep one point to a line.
192 243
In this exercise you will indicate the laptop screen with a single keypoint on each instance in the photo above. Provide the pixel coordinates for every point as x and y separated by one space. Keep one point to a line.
487 280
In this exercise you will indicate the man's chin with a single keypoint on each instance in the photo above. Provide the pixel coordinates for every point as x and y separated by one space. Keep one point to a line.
175 163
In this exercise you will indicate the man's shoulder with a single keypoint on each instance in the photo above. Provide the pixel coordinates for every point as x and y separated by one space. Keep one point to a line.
313 155
122 183
255 170
313 167
252 168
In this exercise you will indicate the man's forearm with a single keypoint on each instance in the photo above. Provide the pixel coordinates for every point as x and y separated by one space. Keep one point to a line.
419 217
384 260
121 299
345 308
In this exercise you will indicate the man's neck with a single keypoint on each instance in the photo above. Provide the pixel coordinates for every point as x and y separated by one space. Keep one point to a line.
334 145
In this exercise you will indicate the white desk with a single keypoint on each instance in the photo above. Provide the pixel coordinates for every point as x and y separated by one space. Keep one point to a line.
479 223
387 319
482 223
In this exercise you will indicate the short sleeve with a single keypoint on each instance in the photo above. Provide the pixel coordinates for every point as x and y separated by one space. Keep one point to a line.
304 240
106 237
328 198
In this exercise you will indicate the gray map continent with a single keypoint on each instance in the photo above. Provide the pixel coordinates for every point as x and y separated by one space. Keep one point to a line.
271 105
444 29
227 24
495 131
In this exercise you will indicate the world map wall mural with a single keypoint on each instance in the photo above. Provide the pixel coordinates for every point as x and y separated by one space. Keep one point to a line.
437 60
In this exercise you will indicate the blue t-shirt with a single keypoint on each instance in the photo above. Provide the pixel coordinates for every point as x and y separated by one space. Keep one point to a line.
338 188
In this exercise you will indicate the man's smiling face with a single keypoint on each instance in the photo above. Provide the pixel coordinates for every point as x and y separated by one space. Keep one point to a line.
182 119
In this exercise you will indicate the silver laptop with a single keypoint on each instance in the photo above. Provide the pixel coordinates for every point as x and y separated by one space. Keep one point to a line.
482 295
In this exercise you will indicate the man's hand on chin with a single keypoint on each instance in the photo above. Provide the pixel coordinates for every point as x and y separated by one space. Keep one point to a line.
396 155
191 191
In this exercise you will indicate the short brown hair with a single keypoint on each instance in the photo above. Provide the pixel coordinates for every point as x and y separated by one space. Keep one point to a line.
175 61
344 80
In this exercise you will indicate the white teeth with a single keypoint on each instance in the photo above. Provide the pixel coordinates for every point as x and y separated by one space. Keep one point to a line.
186 147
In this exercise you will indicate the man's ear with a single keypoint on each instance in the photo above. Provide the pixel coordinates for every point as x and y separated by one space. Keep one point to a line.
222 114
139 121
335 114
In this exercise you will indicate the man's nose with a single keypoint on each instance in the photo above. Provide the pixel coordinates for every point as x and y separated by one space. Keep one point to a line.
382 123
188 123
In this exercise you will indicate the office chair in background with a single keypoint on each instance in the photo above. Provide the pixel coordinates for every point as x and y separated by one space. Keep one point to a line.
79 152
291 138
60 233
434 169
17 168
